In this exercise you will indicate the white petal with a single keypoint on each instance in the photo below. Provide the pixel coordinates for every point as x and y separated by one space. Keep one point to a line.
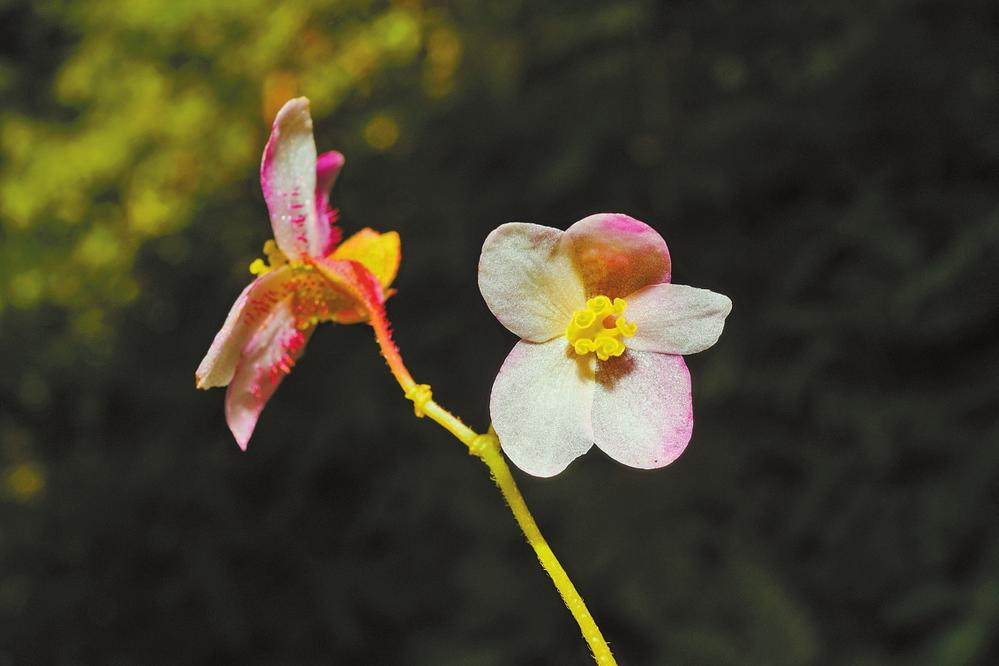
540 406
288 179
642 412
254 304
676 319
267 357
528 280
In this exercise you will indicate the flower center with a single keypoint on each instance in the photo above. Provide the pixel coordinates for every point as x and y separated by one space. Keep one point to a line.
599 327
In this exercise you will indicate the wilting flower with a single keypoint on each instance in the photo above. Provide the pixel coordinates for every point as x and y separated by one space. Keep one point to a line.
307 278
602 332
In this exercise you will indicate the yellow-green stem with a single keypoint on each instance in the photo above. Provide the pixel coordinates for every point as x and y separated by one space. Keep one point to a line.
486 448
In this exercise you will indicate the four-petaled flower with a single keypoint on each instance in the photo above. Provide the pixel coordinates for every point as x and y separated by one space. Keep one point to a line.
308 278
602 332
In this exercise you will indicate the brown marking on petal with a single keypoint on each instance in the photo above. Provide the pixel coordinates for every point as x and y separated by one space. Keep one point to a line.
616 255
613 370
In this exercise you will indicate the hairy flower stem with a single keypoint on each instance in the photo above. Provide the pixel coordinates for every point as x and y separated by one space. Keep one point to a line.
486 448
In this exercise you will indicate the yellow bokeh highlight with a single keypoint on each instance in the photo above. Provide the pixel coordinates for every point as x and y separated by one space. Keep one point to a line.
398 32
444 51
98 247
279 87
25 289
381 132
444 48
24 481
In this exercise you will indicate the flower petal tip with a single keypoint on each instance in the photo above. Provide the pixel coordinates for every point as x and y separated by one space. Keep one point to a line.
288 179
677 319
328 166
642 411
242 417
242 438
291 108
330 162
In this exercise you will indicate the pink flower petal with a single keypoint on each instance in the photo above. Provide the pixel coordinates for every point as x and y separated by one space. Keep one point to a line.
250 309
540 406
328 167
350 279
642 410
268 356
616 254
528 280
288 179
676 319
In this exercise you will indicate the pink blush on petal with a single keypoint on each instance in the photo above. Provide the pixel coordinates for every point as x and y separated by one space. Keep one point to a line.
617 255
268 356
328 167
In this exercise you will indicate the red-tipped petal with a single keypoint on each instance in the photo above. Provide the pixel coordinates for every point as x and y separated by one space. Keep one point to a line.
268 356
328 167
250 309
288 178
642 410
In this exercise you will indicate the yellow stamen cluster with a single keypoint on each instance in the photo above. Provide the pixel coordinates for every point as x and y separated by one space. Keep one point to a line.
600 328
275 259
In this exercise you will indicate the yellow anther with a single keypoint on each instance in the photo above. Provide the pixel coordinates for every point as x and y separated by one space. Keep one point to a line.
275 259
272 251
600 327
420 394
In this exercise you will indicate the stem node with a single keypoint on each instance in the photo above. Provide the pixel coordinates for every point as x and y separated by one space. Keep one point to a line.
420 395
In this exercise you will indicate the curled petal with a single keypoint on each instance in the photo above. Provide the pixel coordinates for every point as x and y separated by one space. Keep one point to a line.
288 179
617 255
268 356
250 309
528 280
676 319
540 406
328 167
379 253
642 410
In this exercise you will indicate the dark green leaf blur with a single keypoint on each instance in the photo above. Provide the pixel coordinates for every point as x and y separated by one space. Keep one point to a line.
831 166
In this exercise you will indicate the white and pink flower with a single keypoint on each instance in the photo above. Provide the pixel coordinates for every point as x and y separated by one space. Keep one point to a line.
602 337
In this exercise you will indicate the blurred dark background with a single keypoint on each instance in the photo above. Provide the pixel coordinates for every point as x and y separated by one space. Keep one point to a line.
833 167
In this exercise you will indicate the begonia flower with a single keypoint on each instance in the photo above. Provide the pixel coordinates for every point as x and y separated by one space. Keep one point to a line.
602 333
308 277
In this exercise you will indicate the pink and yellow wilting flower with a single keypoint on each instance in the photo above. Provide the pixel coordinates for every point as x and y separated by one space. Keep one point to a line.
602 333
308 278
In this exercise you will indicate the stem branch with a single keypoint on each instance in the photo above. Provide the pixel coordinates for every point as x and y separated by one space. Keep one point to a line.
486 448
